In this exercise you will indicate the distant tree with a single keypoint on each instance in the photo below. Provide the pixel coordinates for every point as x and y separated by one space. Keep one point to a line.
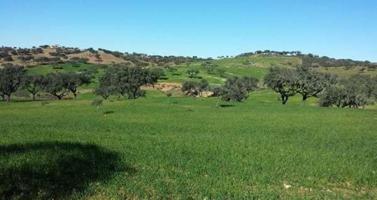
333 95
54 84
10 80
105 87
86 77
33 84
153 74
237 88
368 85
126 81
71 82
312 83
217 91
103 91
347 93
192 73
203 85
250 83
195 88
283 81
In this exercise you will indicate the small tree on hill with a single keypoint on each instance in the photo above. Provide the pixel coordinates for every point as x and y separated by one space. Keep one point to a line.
33 84
237 89
72 81
10 80
347 93
283 81
195 88
152 75
312 83
126 81
54 84
105 88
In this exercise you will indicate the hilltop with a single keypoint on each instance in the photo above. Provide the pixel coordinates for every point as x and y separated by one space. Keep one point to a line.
54 54
52 58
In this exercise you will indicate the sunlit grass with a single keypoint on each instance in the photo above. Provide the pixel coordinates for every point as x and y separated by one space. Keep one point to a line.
182 147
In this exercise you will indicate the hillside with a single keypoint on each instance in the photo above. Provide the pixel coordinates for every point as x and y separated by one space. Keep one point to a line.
52 54
47 58
168 144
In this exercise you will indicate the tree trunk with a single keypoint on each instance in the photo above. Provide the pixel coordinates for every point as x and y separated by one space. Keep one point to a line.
33 97
58 96
284 99
304 97
8 98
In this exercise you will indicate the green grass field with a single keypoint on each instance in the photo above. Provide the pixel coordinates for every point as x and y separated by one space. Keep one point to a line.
178 147
181 148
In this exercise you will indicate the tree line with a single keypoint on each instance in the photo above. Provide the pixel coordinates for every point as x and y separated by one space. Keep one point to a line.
356 91
126 81
234 89
14 77
314 60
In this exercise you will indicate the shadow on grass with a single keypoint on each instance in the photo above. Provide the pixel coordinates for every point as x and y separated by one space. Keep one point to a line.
226 105
108 112
54 170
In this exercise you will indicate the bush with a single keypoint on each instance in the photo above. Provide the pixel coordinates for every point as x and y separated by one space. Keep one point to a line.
194 88
352 93
238 88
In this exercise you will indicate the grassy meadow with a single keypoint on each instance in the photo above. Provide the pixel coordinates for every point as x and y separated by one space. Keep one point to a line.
181 148
178 147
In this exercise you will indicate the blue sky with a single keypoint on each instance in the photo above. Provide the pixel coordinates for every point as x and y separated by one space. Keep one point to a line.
336 28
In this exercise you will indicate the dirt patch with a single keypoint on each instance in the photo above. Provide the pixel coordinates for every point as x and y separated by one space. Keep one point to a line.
165 87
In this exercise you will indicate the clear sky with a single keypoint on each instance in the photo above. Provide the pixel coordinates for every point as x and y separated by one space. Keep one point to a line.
336 28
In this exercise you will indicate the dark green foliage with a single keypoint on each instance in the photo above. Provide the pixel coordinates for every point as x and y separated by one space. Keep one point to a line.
194 88
54 84
192 73
237 89
354 92
72 81
217 91
153 75
343 96
283 81
60 84
10 80
125 81
368 85
315 61
104 91
33 84
105 88
312 83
